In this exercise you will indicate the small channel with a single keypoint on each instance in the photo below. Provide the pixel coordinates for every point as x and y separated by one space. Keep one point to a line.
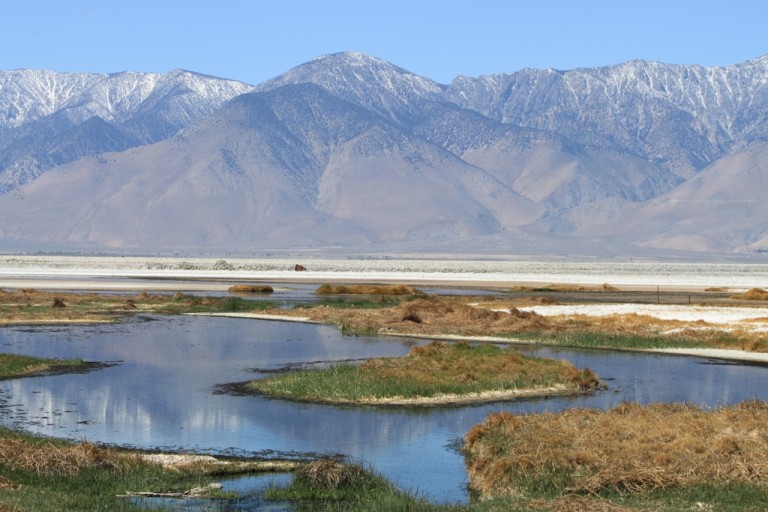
161 394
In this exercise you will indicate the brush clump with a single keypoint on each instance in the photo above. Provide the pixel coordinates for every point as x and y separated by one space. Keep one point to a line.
330 474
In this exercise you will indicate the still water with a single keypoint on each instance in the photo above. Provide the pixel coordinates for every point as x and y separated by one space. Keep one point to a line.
161 393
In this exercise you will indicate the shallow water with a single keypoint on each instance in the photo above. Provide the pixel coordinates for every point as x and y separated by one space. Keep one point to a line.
162 394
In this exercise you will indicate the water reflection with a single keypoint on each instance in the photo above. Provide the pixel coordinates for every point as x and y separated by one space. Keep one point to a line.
161 395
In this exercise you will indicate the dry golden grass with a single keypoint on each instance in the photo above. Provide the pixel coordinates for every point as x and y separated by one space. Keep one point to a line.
630 448
367 289
51 459
461 363
753 294
465 316
34 306
574 503
430 316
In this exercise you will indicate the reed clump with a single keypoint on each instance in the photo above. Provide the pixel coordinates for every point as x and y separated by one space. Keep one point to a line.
330 474
629 449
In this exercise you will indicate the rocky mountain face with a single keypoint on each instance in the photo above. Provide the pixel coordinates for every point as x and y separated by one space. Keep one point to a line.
351 151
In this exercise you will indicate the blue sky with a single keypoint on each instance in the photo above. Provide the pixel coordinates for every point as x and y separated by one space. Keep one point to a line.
255 40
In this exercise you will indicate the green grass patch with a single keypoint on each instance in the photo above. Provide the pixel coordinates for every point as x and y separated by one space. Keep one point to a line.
12 365
618 341
427 371
182 303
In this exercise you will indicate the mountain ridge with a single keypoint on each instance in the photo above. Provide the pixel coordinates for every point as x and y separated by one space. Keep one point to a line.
357 152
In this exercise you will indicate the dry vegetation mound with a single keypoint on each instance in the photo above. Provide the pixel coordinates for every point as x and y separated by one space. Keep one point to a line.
753 294
368 289
630 448
249 289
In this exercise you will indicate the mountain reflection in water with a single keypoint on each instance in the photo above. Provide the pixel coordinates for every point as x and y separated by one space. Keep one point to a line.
162 394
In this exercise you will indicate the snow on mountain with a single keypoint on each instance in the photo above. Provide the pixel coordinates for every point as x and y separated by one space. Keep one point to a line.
366 81
49 118
26 95
678 116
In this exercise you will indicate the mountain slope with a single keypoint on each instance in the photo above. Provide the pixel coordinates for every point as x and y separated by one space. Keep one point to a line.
257 175
721 209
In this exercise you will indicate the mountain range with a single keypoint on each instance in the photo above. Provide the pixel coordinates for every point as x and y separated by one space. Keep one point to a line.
350 153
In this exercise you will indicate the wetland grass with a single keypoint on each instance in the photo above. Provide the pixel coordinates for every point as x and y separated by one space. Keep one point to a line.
29 306
434 374
606 340
48 475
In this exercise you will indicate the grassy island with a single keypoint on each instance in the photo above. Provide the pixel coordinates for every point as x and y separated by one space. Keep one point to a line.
434 374
14 366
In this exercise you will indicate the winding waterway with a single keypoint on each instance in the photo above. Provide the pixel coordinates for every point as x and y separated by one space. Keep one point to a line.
162 393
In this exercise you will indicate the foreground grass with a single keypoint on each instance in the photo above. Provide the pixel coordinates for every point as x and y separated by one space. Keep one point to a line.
666 456
329 485
435 373
44 475
12 366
